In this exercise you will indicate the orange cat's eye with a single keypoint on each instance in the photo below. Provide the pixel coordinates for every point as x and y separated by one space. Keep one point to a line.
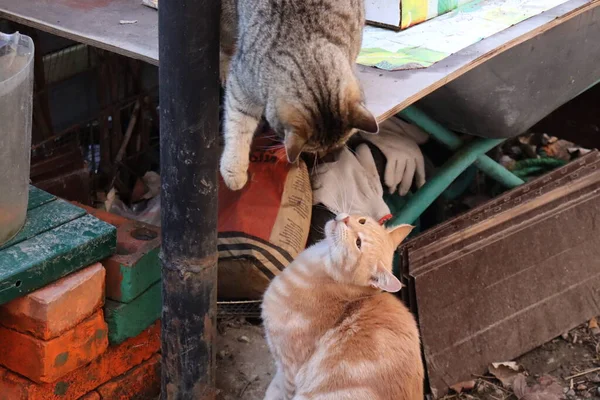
362 221
358 242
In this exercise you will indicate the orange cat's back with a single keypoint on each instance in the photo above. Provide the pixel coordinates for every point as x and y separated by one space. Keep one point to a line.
333 334
372 353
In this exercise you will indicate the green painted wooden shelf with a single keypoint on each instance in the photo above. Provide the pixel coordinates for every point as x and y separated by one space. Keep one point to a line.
57 239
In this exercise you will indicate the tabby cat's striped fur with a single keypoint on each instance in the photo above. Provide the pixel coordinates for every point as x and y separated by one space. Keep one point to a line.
333 333
293 62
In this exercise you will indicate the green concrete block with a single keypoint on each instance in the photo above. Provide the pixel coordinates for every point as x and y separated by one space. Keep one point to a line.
44 218
127 320
47 257
38 197
136 265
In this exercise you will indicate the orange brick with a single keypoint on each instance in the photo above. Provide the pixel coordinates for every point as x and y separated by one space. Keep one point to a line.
142 382
110 218
58 307
116 361
47 361
91 396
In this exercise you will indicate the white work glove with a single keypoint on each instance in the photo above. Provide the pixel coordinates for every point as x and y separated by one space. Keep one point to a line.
399 142
351 185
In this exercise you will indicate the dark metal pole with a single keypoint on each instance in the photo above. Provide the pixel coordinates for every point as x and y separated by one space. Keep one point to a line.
189 124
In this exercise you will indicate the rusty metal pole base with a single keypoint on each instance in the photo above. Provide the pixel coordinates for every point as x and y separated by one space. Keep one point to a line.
189 125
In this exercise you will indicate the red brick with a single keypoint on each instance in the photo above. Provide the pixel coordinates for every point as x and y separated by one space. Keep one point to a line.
136 266
113 219
91 396
58 307
47 361
116 361
142 382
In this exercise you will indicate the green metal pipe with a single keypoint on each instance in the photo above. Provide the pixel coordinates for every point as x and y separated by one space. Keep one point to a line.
442 179
452 141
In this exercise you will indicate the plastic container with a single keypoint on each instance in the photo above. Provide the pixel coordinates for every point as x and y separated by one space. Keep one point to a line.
16 95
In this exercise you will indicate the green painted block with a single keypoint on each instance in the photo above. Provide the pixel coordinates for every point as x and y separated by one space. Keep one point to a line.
38 197
136 278
36 262
44 218
127 320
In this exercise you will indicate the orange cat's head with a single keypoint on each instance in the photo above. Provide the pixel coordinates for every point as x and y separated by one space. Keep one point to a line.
362 251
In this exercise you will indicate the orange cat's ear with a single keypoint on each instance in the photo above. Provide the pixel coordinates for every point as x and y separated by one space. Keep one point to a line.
385 280
399 233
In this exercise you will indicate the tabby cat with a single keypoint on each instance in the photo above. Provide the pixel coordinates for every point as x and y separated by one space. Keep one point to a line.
293 62
332 331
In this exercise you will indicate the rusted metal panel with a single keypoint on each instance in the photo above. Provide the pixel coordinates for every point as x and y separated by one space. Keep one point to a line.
508 276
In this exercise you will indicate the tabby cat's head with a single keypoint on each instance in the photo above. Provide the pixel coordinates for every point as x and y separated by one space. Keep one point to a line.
362 251
321 115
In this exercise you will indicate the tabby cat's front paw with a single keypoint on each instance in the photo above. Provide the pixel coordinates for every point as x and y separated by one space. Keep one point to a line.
235 179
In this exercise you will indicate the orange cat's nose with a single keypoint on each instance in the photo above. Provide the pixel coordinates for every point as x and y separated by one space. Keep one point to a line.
343 218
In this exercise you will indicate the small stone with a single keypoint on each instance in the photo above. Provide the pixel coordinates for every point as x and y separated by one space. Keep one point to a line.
244 339
551 360
587 395
565 336
221 355
565 390
598 391
581 387
595 378
570 393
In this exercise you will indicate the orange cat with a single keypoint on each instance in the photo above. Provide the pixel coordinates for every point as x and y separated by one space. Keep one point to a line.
333 333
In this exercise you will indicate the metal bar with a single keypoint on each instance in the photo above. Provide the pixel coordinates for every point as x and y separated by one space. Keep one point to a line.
452 141
441 180
189 125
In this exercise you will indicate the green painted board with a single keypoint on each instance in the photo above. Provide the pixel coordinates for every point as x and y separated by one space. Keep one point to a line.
36 262
127 320
37 197
136 278
44 218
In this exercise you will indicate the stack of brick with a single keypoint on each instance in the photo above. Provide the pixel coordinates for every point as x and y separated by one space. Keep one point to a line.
133 291
67 341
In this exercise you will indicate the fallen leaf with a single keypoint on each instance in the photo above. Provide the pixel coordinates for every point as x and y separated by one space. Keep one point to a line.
593 323
546 389
463 386
508 364
505 372
520 386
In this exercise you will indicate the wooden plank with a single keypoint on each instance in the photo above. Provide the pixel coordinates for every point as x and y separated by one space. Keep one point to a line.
97 24
44 218
38 197
510 275
36 262
388 93
127 320
92 22
495 100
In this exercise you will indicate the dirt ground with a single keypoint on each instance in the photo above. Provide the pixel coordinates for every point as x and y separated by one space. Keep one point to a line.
245 367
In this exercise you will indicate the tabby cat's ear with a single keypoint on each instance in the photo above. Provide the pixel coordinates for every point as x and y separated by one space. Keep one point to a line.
294 144
385 280
399 233
362 119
